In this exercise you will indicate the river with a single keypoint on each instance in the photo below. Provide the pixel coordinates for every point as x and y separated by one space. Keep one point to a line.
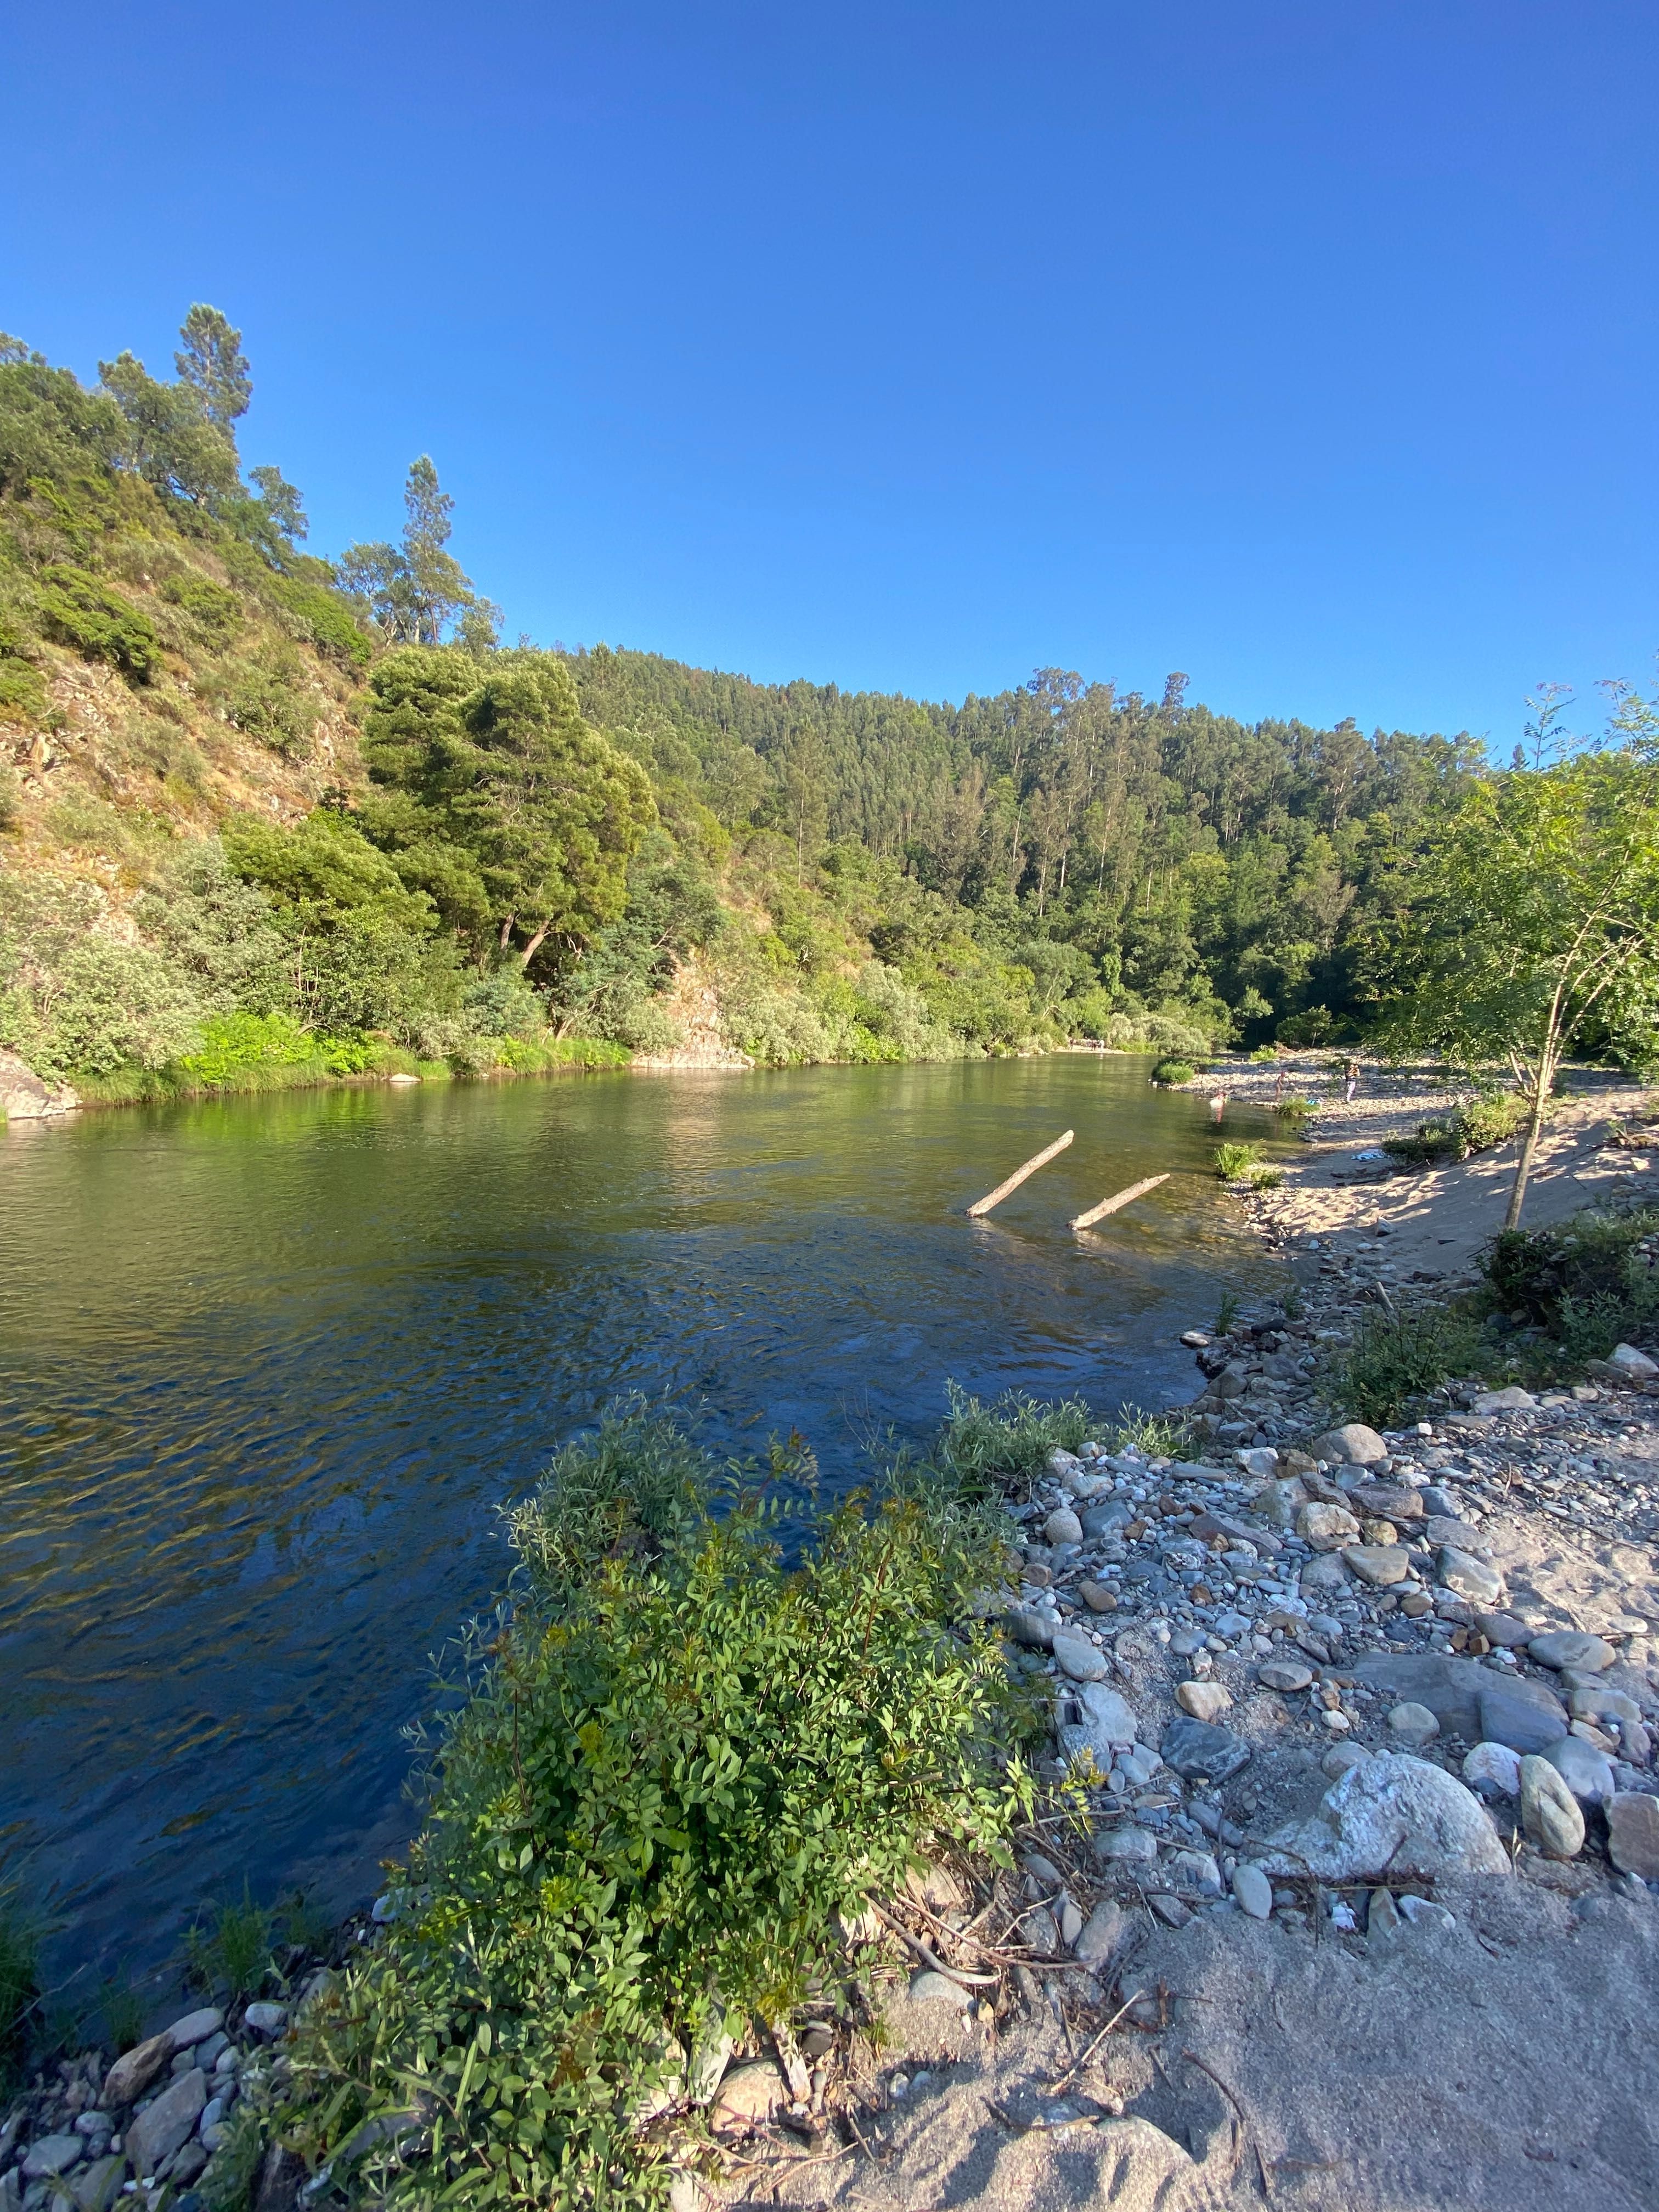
269 1365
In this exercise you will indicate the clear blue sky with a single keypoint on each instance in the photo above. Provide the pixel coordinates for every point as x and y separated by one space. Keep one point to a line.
1310 348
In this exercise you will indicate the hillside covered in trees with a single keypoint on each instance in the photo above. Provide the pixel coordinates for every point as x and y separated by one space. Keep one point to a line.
267 816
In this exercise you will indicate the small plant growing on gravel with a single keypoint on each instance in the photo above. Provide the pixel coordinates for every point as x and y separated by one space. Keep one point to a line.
1263 1056
122 2004
991 1449
1233 1161
1168 1073
1227 1314
1266 1178
20 1981
232 1952
1290 1301
1590 1281
1397 1358
1156 1435
1295 1110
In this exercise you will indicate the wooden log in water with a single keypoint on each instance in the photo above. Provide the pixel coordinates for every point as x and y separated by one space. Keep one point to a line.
1111 1204
1037 1160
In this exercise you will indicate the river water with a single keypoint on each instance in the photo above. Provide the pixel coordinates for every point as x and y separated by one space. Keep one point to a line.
269 1365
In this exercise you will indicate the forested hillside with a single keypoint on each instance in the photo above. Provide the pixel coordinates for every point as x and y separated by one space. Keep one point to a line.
268 817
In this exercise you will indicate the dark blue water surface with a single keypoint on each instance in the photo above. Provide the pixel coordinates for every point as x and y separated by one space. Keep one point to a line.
268 1367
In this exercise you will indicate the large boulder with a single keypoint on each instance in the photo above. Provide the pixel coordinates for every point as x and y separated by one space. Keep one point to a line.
164 2125
1572 1647
23 1097
1352 1445
1391 1814
1467 1699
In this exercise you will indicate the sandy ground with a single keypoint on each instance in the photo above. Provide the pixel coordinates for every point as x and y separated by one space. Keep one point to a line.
1437 1217
1360 2076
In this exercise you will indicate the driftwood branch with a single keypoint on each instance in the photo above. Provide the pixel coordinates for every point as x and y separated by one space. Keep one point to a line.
1037 1160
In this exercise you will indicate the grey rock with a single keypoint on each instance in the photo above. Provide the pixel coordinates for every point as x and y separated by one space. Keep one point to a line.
1586 1772
1353 1444
1550 1813
1254 1890
1441 1528
1464 1696
159 2130
1128 1846
1327 1527
1035 1630
1104 1721
1396 1814
96 2189
1520 1714
1513 1400
931 1987
1494 1767
1229 1626
1327 1575
1201 1753
1475 1579
1598 1703
196 2026
1070 1923
1279 1503
1381 1565
23 1097
1038 1929
1196 1870
750 2095
1205 1701
134 2070
1412 1724
1635 1366
1110 1513
1572 1647
1169 1910
1633 1833
51 2156
1102 1933
264 2018
1285 1674
1436 1498
1424 1912
1504 1630
1062 1526
1079 1658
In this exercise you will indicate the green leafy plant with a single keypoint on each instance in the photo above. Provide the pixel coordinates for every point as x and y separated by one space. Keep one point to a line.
1234 1160
1227 1314
1398 1358
230 1950
1266 1178
1289 1301
97 621
1475 1127
989 1450
681 1759
1168 1073
1295 1110
214 610
20 1981
1263 1056
122 2004
1590 1281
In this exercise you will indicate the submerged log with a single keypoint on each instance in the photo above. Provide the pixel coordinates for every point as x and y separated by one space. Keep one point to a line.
1037 1160
1111 1204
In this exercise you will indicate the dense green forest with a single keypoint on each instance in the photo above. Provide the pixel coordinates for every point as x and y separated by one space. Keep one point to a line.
269 815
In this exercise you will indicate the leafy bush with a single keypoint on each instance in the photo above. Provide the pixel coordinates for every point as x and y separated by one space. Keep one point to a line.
1475 1128
324 619
105 1006
1266 1178
679 1760
988 1449
82 611
272 700
1295 1110
1263 1056
235 1044
1233 1161
1169 1072
1591 1281
214 610
1398 1357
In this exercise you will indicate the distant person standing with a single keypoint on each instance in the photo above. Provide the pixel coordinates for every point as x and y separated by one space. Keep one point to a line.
1351 1076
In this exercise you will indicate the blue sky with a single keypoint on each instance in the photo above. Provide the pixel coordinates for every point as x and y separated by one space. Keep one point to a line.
1309 348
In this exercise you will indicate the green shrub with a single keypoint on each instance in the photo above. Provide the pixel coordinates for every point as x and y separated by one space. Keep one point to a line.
234 1044
1397 1358
1447 1137
230 1951
1169 1071
1263 1056
1226 1313
1266 1178
1233 1161
989 1450
325 620
80 611
11 792
270 700
1591 1281
215 611
20 1982
679 1760
1295 1110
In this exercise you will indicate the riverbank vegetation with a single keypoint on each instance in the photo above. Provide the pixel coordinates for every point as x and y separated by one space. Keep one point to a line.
242 785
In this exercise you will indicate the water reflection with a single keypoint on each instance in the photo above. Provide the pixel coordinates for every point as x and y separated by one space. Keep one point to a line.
268 1366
